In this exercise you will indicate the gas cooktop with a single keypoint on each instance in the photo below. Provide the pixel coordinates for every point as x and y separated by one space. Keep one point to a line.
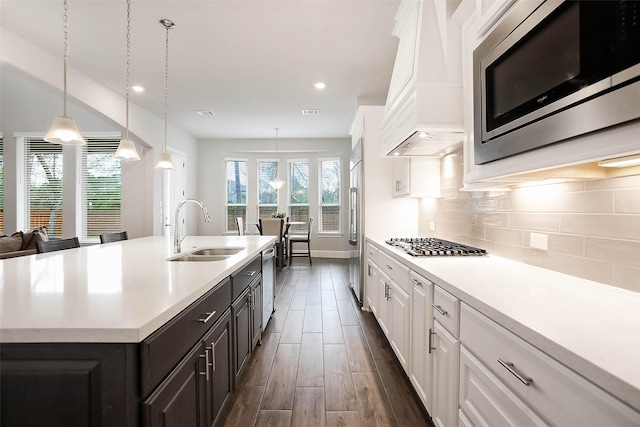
430 246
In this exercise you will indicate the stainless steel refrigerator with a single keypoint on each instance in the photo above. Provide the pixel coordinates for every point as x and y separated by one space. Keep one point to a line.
356 222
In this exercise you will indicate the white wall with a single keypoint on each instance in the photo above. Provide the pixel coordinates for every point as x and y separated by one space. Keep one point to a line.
211 180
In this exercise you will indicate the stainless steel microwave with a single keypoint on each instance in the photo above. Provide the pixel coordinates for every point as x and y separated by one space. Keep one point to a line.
552 70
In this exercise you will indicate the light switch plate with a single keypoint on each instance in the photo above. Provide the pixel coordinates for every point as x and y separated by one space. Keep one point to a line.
432 225
539 241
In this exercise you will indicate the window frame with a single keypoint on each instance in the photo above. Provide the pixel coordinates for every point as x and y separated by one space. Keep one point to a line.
258 186
337 232
290 162
226 193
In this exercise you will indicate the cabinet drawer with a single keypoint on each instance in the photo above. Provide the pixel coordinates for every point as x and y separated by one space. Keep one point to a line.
241 278
486 401
372 252
161 351
446 310
554 391
396 271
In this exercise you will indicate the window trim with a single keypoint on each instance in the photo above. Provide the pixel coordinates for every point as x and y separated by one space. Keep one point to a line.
226 192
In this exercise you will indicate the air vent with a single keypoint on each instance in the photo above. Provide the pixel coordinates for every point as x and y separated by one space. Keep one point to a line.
310 112
205 113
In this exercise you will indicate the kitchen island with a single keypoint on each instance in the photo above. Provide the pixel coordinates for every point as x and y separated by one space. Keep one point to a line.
91 328
491 307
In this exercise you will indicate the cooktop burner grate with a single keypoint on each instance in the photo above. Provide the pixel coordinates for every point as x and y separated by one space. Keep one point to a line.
430 246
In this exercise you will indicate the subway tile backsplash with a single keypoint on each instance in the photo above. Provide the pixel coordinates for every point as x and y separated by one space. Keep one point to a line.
593 227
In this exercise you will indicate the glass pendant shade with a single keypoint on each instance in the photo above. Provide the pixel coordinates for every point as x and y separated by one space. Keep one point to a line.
64 131
126 151
165 162
277 184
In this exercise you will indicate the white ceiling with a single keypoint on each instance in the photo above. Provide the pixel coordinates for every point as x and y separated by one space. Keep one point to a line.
251 62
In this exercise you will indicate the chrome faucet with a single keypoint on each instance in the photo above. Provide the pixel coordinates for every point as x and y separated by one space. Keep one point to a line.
178 240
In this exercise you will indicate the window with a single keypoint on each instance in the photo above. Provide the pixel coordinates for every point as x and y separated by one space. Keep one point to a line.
43 185
101 188
298 192
236 192
177 191
267 195
329 189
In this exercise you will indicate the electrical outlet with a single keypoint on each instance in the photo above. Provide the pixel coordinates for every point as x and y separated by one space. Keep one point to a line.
432 225
538 241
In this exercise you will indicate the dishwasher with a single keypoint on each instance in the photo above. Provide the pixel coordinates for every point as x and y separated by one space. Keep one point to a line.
268 284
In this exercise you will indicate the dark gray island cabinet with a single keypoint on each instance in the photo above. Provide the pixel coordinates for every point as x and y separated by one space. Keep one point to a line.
183 374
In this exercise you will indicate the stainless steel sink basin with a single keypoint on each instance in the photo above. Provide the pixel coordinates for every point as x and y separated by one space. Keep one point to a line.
216 251
191 257
206 254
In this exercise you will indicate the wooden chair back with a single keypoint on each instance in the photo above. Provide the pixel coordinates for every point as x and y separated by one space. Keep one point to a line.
113 237
57 245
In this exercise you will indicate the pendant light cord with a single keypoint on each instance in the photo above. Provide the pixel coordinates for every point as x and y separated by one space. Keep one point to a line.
166 86
128 67
65 19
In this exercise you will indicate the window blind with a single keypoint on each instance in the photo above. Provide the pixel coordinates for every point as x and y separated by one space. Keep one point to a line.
267 195
329 195
236 203
101 188
43 185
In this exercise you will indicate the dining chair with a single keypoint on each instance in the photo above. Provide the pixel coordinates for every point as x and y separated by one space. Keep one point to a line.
113 237
274 227
57 245
240 225
301 238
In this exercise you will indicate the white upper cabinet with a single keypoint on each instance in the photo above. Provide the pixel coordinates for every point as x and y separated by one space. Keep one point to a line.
416 177
425 93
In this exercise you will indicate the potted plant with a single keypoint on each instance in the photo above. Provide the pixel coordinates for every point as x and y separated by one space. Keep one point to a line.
279 215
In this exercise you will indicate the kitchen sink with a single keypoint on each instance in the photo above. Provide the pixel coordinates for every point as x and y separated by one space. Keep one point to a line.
216 251
191 257
206 254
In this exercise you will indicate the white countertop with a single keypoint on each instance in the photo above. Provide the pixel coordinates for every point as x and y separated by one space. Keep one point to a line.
116 292
591 327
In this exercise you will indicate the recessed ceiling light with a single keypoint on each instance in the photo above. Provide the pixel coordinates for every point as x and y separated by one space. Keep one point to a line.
319 85
310 112
137 88
205 113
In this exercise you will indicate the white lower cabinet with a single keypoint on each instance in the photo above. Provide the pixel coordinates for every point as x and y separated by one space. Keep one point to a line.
400 315
421 370
486 401
529 382
384 286
371 284
393 317
445 377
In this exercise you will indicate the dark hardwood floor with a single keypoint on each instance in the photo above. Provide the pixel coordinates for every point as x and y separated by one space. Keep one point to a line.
323 361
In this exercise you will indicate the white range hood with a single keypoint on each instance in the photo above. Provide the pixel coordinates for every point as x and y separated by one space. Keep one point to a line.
423 113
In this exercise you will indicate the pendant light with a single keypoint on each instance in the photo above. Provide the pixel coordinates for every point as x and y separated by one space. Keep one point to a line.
64 130
166 162
127 148
277 183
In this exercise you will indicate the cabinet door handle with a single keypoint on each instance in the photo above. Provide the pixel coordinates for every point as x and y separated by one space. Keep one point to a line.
439 309
250 273
389 267
206 364
511 368
416 282
431 334
213 357
209 316
369 270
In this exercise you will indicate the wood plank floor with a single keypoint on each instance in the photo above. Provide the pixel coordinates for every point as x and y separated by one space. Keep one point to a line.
323 361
